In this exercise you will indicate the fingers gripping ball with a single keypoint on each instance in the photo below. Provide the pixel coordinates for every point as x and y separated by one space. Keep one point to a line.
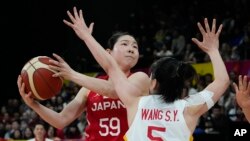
38 79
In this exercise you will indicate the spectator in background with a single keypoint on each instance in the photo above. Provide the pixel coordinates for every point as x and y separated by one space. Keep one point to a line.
178 43
52 133
40 133
27 133
226 51
227 101
189 54
16 135
11 129
220 122
2 130
72 132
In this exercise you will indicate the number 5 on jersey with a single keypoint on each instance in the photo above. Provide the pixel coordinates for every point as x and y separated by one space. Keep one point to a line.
152 129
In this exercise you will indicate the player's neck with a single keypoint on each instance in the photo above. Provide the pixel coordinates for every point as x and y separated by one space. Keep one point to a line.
127 73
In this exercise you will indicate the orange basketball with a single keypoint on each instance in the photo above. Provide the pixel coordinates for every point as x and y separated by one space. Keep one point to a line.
38 79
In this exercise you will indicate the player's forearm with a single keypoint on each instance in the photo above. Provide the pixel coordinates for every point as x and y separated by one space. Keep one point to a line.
99 53
100 86
107 62
220 71
104 58
221 78
49 116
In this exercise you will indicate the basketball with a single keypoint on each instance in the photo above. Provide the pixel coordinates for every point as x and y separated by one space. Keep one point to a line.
38 79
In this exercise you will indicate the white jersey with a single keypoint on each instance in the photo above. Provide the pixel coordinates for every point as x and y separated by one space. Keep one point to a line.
158 121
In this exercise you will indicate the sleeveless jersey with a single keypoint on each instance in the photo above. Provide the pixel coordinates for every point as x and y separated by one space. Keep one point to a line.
106 117
156 120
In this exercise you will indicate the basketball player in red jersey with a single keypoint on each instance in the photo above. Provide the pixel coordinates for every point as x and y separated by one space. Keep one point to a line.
107 118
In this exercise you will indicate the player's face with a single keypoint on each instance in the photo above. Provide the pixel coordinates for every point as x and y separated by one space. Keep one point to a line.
125 52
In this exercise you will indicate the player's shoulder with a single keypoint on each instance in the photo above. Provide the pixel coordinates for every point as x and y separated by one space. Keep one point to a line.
140 77
139 74
141 80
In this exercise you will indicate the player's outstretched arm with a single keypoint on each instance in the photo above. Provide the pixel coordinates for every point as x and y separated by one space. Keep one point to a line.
243 95
210 45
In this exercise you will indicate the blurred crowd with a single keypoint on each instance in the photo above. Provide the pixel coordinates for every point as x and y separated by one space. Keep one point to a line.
18 120
165 28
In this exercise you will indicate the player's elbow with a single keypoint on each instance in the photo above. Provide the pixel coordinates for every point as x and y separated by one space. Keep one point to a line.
58 125
224 82
62 123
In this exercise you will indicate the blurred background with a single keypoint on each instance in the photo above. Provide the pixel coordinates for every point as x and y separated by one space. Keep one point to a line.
31 28
163 28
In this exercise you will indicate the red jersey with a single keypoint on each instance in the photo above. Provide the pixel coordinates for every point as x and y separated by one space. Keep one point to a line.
106 117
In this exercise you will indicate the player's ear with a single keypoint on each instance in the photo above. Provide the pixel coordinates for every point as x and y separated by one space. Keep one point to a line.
153 85
108 50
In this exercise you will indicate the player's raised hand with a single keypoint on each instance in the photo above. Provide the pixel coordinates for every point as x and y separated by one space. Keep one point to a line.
78 23
242 92
63 69
210 36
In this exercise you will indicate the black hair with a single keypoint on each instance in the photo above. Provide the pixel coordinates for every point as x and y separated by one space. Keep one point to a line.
171 75
41 122
115 36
